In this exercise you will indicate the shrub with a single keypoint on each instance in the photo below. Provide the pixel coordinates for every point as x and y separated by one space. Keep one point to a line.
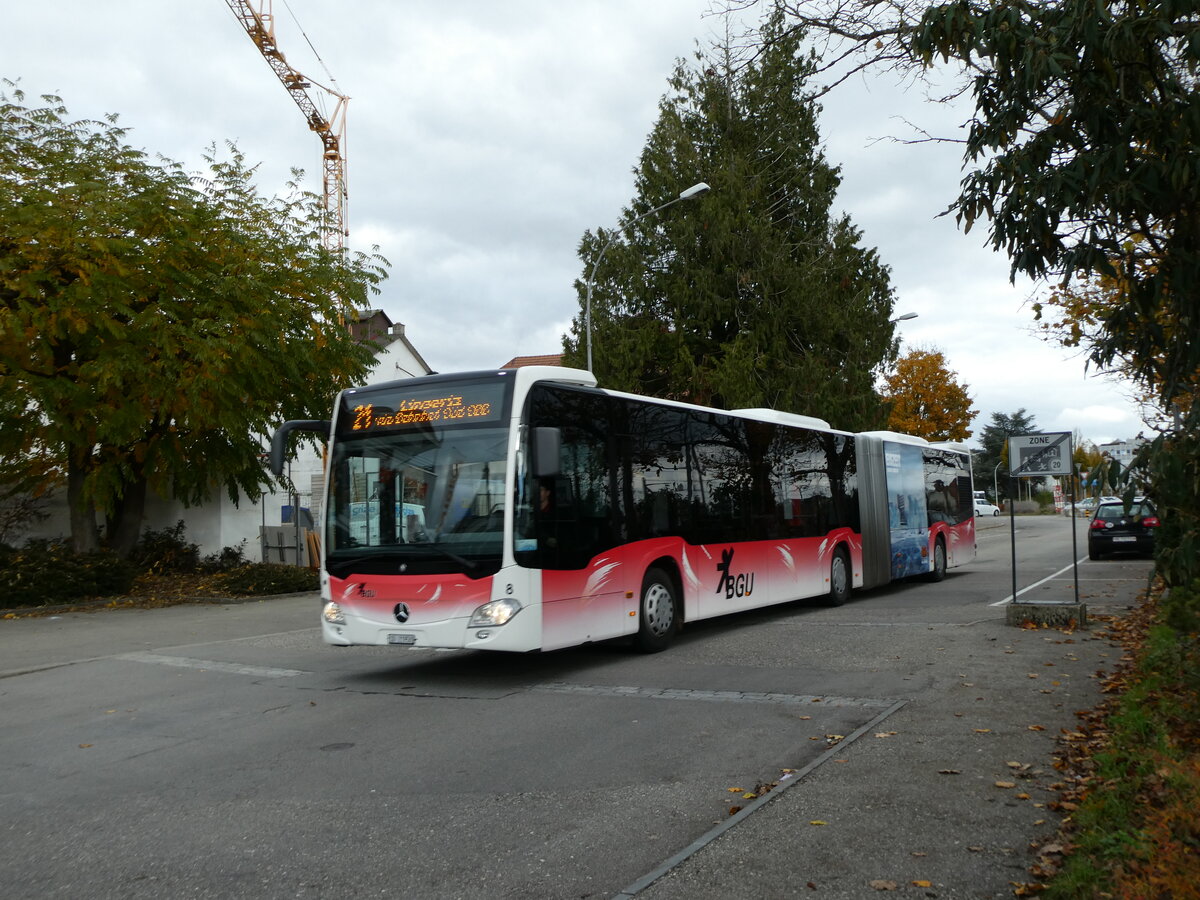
46 573
257 579
165 550
229 558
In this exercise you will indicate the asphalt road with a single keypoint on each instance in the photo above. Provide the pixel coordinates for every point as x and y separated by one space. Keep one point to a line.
216 751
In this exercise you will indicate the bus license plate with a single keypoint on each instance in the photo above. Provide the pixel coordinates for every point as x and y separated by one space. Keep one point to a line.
407 639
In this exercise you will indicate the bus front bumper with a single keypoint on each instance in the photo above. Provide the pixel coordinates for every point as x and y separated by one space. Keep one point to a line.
344 627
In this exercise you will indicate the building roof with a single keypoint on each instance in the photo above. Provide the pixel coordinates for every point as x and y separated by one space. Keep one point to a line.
550 359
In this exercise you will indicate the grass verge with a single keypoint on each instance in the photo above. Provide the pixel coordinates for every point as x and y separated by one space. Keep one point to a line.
1131 775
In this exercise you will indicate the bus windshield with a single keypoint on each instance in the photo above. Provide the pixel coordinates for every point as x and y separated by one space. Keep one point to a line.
419 493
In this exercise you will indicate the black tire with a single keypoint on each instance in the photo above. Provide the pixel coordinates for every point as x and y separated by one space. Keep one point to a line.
996 513
1094 554
938 572
658 612
839 578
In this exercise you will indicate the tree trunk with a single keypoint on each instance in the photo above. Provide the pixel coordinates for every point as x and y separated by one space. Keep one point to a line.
124 526
85 535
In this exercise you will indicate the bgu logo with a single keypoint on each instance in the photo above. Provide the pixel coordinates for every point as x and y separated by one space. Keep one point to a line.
731 585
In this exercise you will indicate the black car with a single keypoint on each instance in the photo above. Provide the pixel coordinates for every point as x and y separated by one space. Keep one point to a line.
1116 528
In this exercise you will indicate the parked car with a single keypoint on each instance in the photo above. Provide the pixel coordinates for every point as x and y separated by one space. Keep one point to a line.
983 508
1117 528
1087 505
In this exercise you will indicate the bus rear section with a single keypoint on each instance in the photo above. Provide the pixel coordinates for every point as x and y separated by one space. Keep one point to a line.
917 507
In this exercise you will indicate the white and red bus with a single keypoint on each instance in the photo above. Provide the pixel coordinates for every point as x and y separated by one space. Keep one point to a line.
527 509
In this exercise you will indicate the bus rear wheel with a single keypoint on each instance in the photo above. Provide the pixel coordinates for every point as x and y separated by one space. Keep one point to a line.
938 572
657 612
839 579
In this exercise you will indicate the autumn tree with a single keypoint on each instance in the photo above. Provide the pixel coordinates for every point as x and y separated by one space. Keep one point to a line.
927 400
155 326
755 294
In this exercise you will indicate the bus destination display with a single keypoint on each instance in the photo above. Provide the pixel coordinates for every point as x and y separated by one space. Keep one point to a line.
482 404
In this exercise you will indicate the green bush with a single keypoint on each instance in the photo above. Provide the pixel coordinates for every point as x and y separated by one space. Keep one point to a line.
47 573
165 550
229 558
257 579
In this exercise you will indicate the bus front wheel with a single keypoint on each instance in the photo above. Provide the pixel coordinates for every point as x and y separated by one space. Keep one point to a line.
657 612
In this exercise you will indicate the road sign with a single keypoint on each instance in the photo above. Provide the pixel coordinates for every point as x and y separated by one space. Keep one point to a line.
1040 454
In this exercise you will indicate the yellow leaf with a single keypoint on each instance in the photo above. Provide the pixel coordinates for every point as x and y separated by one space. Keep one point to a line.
735 790
922 883
749 795
983 731
817 822
1005 784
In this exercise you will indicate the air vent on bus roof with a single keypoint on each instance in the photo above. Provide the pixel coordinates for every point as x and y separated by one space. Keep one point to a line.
785 418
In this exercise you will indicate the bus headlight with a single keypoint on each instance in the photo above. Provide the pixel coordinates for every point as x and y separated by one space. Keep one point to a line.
333 614
495 613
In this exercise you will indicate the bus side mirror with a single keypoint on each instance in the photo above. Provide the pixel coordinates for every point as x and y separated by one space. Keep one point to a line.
279 440
547 444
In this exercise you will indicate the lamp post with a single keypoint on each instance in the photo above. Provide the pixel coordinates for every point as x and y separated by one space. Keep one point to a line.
694 191
903 318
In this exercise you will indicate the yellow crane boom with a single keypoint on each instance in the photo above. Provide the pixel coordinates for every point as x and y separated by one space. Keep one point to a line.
260 25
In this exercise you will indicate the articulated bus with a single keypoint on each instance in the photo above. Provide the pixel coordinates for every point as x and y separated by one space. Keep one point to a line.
526 509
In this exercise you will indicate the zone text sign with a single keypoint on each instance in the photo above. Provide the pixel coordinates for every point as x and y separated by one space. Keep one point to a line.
1040 454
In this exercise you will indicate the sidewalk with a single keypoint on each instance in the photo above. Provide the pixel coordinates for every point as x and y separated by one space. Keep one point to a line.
943 797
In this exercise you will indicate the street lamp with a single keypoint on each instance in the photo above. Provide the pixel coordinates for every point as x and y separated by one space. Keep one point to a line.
694 191
903 318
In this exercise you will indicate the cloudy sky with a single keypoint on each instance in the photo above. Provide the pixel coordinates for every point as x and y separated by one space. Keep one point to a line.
484 139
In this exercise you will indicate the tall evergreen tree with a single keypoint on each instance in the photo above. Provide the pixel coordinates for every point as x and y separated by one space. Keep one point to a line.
756 294
992 463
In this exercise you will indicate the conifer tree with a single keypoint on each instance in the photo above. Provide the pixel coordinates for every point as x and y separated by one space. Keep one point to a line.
757 293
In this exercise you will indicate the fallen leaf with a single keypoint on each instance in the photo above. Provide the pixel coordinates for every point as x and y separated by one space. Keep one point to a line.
735 790
983 731
1005 784
976 849
1022 796
918 853
1035 727
880 885
734 809
885 734
749 795
817 822
949 771
922 883
84 746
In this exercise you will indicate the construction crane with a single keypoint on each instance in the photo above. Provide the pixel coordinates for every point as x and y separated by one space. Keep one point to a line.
260 25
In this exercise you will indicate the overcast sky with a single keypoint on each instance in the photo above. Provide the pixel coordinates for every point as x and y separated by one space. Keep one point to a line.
485 138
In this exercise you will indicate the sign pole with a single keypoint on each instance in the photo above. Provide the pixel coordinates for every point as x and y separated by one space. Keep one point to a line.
1012 531
1033 455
